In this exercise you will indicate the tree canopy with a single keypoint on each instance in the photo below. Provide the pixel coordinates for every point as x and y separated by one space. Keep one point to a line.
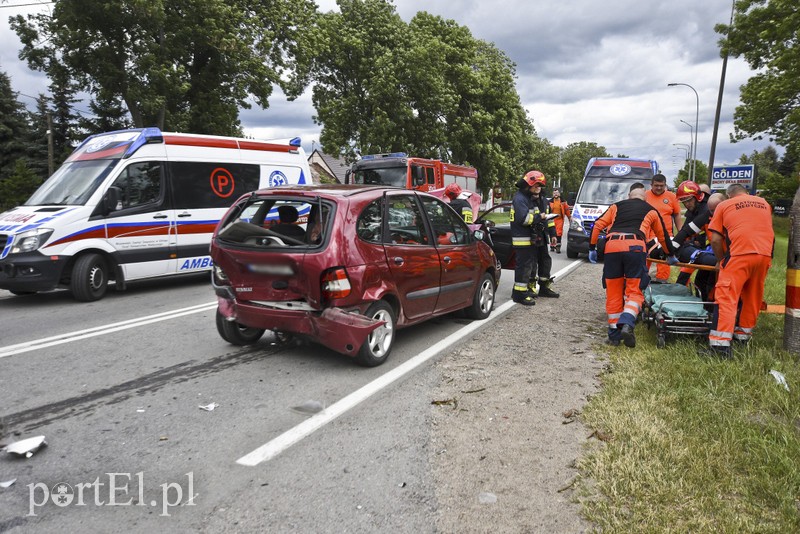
186 65
428 88
764 32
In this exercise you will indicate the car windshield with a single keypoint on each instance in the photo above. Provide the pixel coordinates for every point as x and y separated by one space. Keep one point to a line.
604 190
73 183
394 176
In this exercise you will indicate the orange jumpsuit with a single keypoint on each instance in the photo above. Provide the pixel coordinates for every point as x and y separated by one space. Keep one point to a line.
667 205
624 270
745 224
560 208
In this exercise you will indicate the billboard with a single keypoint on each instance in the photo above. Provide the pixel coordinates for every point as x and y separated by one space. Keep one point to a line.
722 177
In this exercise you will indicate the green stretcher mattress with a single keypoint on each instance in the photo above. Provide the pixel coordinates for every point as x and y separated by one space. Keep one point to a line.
675 301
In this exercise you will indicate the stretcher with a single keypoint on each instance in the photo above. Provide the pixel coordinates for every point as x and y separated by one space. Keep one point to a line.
675 309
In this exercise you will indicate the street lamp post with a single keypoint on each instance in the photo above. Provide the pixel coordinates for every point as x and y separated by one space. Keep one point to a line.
683 146
696 120
691 145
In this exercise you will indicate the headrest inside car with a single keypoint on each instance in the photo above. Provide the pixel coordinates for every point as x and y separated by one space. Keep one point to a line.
287 214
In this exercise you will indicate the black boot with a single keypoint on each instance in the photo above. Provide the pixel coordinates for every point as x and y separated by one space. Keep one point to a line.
522 297
558 248
628 336
545 290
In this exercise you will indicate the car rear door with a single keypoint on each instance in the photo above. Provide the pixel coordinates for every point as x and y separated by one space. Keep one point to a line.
412 257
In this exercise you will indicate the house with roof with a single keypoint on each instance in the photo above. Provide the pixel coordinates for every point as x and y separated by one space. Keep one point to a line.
326 168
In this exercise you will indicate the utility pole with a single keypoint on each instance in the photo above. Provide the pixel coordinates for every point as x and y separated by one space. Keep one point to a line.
50 164
719 103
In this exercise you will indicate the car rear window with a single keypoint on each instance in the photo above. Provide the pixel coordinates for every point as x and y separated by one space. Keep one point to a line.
279 222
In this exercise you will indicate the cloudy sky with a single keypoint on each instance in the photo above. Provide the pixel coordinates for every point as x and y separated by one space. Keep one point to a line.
587 71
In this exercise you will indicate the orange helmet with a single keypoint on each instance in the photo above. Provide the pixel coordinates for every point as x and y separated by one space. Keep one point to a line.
687 190
534 177
452 190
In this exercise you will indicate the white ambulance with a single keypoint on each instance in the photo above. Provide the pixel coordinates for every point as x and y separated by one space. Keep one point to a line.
135 204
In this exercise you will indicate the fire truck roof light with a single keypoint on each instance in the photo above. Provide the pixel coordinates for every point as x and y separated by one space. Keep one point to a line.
391 155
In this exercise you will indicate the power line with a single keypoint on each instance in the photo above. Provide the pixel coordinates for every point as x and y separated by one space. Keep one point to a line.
26 5
75 108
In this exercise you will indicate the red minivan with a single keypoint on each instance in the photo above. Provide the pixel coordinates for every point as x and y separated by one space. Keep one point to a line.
345 266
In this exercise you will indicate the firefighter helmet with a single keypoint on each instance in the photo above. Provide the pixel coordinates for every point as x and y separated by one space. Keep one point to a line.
687 190
452 190
534 178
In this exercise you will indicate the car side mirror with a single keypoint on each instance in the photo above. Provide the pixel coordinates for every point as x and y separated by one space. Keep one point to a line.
478 234
418 175
111 200
347 174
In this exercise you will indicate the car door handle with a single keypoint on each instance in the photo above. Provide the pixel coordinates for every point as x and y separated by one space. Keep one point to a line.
185 214
399 261
159 216
446 259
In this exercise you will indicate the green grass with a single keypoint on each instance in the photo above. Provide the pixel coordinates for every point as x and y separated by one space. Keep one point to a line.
697 444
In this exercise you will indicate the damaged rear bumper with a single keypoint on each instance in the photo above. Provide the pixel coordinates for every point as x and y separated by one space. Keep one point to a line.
338 329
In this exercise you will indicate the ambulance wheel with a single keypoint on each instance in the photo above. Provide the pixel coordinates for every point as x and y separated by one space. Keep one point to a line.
661 341
571 254
89 278
379 343
235 333
483 300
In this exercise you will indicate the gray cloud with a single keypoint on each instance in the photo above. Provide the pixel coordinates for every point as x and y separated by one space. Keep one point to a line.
586 71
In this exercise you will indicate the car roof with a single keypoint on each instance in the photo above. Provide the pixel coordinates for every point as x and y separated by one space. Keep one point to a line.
330 190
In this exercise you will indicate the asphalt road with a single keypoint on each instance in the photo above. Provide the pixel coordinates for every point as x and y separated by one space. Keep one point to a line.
116 386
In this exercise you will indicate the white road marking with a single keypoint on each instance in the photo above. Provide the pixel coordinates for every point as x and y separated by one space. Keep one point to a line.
279 444
101 330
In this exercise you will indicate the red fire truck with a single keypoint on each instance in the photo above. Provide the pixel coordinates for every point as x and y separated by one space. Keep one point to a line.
398 169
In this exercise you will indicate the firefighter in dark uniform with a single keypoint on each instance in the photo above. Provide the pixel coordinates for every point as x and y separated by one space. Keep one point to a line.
523 215
624 270
462 207
692 240
543 236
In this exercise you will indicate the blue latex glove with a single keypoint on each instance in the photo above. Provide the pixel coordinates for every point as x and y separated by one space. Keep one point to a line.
592 256
672 260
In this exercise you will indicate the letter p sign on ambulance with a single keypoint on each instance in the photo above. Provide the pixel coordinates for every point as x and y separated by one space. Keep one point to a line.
222 182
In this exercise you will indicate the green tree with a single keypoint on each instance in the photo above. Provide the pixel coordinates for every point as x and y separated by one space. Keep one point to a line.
178 65
36 142
764 32
574 158
107 114
14 129
428 88
700 172
16 188
768 170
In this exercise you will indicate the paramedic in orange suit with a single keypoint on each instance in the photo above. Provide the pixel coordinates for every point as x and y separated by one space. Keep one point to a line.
742 225
624 270
560 208
670 210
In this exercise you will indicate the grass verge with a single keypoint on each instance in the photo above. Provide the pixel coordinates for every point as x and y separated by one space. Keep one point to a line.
697 444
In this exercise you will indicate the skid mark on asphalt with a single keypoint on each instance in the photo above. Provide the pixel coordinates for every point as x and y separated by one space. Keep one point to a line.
149 383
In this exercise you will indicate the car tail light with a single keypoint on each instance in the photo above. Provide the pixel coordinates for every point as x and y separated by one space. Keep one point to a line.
335 284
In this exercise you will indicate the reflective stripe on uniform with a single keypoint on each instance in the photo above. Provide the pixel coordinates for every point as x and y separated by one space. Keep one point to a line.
520 287
521 241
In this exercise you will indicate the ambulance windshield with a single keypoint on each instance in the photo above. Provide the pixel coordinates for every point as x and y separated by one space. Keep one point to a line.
73 183
603 191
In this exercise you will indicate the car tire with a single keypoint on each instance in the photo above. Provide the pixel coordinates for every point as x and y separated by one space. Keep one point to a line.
483 301
379 343
571 254
237 334
89 278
